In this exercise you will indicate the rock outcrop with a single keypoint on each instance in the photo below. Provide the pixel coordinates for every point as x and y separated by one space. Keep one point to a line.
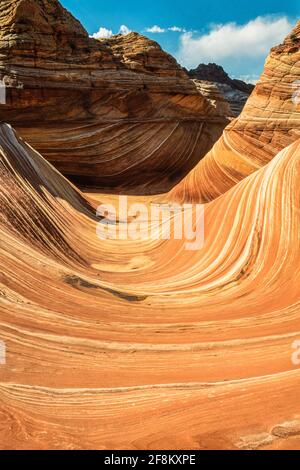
139 342
269 122
224 98
234 92
216 73
158 346
119 113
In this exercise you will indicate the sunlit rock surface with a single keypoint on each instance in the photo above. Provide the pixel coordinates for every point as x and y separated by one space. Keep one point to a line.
158 346
143 344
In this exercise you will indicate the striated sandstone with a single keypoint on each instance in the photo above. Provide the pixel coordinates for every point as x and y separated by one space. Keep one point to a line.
226 100
234 92
269 122
142 344
215 73
119 113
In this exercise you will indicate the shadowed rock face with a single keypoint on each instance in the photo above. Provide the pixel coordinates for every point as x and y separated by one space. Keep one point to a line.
144 331
140 54
222 95
119 113
269 122
216 73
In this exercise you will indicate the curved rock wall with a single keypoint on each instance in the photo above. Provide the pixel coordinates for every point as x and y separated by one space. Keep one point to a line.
119 114
269 122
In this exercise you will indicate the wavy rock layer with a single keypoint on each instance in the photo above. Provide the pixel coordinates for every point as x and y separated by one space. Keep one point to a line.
156 346
105 113
269 122
216 74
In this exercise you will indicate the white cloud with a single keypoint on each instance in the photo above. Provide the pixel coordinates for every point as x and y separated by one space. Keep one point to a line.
103 33
155 29
230 42
177 29
124 30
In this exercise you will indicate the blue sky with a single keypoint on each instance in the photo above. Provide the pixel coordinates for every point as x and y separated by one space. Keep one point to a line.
235 34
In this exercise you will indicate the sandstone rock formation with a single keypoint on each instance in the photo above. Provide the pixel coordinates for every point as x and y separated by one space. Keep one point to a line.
234 92
224 98
161 348
216 73
119 113
269 122
142 343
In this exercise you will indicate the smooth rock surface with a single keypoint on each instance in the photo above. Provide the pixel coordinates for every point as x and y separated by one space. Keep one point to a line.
269 122
156 346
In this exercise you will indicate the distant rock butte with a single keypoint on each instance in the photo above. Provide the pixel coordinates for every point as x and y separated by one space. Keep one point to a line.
117 114
216 73
269 122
